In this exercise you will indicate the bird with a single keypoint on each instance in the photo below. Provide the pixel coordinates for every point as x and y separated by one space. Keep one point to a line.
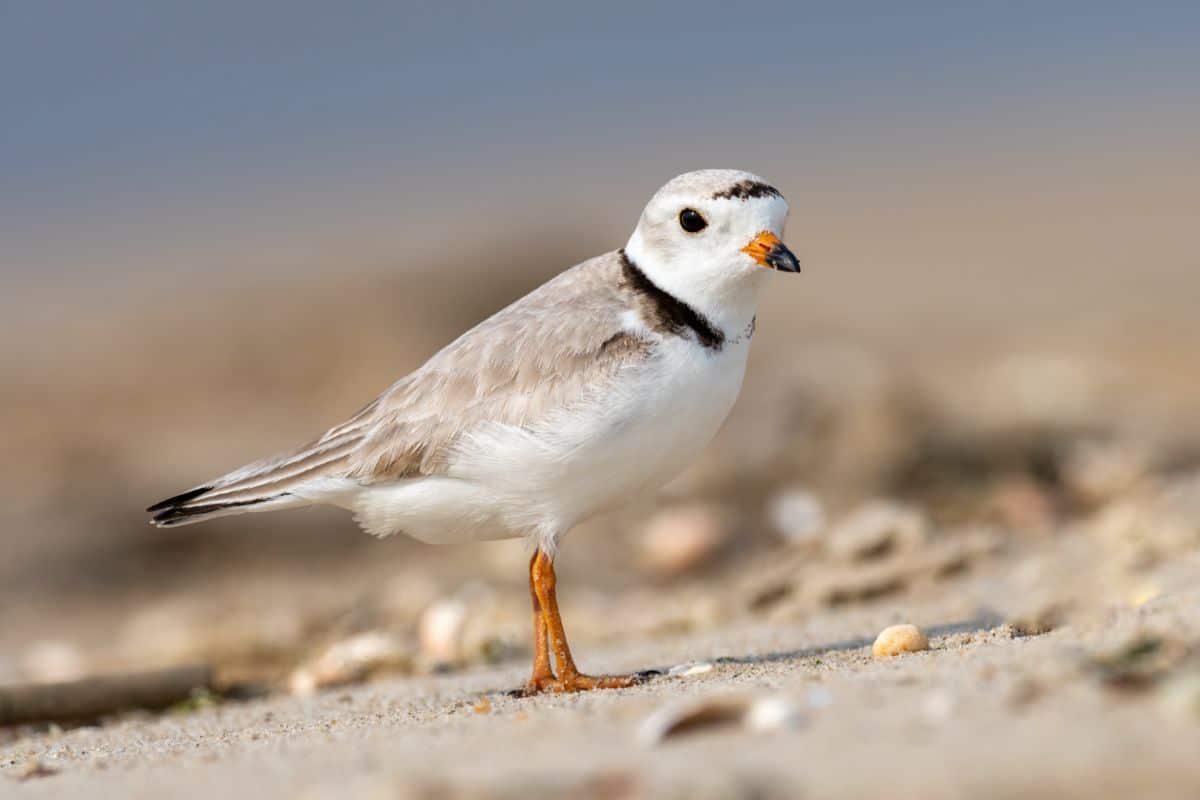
596 387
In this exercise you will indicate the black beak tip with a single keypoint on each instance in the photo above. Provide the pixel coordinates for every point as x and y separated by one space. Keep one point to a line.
782 259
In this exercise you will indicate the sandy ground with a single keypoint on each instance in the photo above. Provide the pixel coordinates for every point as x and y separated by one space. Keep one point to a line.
987 712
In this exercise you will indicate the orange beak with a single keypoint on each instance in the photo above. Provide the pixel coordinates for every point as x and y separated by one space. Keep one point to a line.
769 252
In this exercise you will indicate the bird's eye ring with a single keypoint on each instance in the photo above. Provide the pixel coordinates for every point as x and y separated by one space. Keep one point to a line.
691 220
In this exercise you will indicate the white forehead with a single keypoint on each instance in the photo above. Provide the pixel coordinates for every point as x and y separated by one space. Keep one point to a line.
712 184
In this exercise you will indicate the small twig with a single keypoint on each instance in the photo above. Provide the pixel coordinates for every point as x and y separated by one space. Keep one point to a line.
88 698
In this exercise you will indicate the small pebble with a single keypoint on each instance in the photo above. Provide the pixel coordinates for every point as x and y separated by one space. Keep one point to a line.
440 630
677 540
899 639
797 516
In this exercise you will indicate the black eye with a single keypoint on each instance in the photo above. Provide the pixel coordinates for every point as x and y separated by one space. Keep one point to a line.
691 221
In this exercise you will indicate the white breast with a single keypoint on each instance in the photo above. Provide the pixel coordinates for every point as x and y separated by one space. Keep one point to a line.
630 438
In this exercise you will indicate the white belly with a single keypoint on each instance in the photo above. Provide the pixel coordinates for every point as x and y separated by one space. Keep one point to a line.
631 438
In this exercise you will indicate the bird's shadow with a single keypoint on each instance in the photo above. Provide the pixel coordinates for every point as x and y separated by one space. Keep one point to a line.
983 621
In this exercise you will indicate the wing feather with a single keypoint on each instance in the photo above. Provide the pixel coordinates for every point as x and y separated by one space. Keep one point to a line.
542 353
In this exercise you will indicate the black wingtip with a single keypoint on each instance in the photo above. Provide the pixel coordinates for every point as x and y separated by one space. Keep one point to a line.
172 516
178 499
176 511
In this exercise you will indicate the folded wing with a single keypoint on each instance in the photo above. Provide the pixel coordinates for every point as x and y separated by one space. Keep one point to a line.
544 352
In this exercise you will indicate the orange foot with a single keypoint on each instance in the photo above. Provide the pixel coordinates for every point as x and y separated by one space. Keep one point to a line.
582 683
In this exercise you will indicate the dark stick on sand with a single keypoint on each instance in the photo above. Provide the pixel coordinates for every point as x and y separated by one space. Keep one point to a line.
88 698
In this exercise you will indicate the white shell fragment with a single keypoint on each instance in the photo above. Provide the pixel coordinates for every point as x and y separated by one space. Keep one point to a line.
440 630
774 713
690 669
797 516
351 661
475 624
757 714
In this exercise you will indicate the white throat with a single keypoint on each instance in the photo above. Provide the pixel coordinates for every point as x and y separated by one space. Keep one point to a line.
727 296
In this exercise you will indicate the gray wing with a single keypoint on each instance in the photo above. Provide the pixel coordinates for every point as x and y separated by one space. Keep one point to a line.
542 353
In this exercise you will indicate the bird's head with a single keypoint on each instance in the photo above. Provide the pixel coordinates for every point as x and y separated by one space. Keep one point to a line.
711 237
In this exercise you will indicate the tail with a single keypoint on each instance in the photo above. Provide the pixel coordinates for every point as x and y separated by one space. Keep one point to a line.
196 505
309 475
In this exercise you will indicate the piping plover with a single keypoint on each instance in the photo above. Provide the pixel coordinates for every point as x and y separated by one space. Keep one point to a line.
599 385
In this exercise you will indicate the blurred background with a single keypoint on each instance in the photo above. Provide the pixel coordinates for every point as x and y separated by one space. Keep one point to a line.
224 227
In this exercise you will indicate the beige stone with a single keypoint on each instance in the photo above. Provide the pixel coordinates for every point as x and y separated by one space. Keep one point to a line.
897 639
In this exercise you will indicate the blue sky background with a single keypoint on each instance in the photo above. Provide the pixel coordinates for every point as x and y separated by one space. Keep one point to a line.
168 137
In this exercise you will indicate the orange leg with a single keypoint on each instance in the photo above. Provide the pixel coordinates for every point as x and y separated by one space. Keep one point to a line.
543 675
542 582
